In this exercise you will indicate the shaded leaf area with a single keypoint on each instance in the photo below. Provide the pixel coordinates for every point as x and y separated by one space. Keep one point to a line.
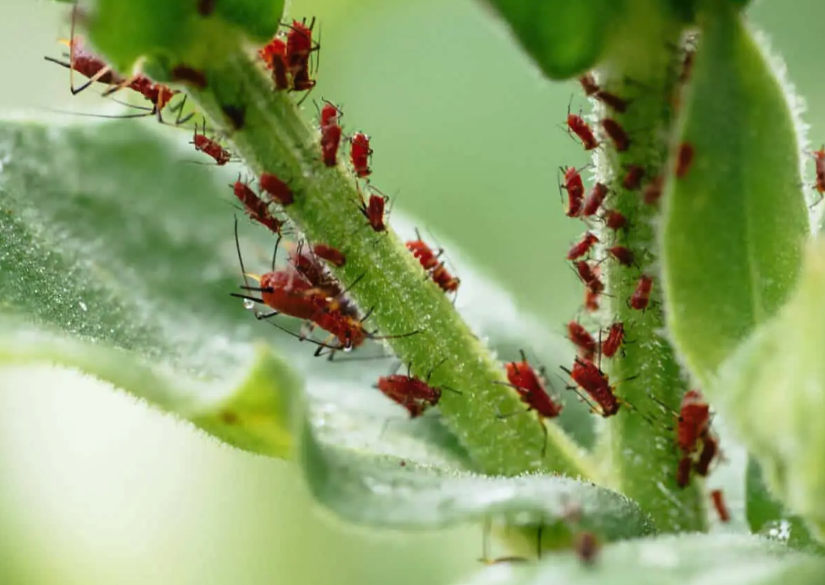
397 493
772 390
768 517
564 37
108 265
735 220
668 560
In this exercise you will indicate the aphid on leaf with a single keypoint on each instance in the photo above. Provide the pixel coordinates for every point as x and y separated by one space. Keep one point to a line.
684 158
583 246
575 191
412 393
640 298
210 147
719 503
633 178
330 254
616 133
276 188
531 389
360 153
595 199
614 220
615 337
622 255
580 128
584 342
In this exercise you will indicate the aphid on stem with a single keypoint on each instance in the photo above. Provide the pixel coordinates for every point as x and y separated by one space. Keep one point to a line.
583 246
684 158
719 503
614 220
575 191
373 210
595 199
653 191
819 166
360 153
580 128
616 133
276 189
330 254
581 338
210 147
592 89
622 255
615 337
640 298
255 207
633 178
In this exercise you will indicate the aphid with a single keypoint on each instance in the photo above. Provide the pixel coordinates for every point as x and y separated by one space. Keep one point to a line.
360 153
592 89
410 392
710 449
595 199
819 165
580 128
445 280
653 191
683 472
614 220
583 341
330 254
210 147
719 503
589 275
374 211
622 254
533 393
299 45
615 337
276 188
255 207
587 547
330 133
301 80
633 178
273 55
423 253
583 246
683 159
596 384
640 298
189 75
694 418
575 192
206 7
591 300
616 133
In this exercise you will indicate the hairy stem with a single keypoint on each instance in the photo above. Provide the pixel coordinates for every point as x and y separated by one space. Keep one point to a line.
274 138
644 69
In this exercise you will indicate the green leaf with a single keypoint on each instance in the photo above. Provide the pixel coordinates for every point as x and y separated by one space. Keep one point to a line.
109 262
734 225
768 517
564 37
393 492
772 390
717 559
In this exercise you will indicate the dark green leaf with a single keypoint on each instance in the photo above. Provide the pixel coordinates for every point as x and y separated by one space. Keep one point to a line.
564 37
734 225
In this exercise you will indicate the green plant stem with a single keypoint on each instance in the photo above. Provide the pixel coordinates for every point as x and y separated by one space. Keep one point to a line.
645 70
274 138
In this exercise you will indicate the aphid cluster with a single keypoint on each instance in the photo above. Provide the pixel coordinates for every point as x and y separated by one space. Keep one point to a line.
698 444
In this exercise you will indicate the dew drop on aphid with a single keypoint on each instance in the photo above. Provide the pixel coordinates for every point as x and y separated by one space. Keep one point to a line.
248 305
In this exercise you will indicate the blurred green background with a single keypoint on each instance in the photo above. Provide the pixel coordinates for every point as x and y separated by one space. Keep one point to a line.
95 489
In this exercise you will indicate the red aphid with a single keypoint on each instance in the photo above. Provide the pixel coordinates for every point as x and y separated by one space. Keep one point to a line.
273 55
445 280
330 114
683 472
330 254
587 547
596 384
584 342
615 337
410 392
575 192
819 165
614 220
622 254
591 300
595 199
640 298
633 178
653 191
360 153
288 293
276 188
157 93
299 45
694 418
616 133
301 80
580 128
710 449
88 65
425 255
374 211
346 328
683 159
255 207
583 246
589 85
211 148
592 89
531 389
189 75
330 141
719 503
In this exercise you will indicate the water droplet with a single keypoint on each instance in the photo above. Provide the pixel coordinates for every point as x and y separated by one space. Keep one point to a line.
248 305
83 306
